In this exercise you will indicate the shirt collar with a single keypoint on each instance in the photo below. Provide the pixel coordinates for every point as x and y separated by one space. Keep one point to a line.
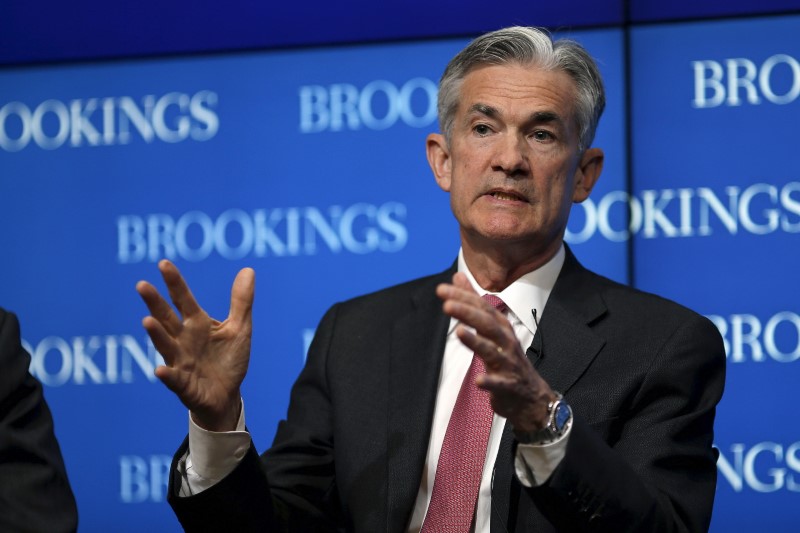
527 293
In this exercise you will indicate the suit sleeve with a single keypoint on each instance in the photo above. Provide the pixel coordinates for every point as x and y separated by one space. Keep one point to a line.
34 491
291 487
657 470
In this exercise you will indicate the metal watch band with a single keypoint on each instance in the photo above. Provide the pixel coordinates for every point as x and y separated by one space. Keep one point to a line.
554 428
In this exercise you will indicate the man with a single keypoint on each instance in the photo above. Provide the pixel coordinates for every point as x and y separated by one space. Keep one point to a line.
369 443
34 491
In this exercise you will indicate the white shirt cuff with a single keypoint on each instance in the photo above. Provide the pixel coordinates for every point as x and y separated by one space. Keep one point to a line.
212 455
534 463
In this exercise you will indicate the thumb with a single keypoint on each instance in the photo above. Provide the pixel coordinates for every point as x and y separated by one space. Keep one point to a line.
170 378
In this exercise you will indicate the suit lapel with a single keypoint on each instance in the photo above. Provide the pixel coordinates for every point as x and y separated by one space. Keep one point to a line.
565 341
566 347
417 346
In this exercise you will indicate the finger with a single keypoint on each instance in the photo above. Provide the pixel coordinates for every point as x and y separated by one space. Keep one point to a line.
486 321
162 340
458 292
242 295
493 355
496 383
461 292
178 289
159 308
460 280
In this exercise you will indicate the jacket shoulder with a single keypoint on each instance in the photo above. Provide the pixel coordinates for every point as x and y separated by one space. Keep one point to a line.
398 297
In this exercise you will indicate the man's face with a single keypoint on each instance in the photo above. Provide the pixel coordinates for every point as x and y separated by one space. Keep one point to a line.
512 166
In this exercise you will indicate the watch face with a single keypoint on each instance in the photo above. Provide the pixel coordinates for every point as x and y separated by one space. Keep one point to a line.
562 415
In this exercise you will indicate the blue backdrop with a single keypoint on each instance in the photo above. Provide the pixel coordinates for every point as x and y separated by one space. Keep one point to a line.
309 166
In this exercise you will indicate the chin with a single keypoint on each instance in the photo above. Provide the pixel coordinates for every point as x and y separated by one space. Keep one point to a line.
507 235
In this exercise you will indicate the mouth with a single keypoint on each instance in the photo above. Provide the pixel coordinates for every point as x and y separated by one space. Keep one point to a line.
508 196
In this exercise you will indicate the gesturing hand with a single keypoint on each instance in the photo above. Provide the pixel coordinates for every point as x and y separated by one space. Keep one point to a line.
517 391
206 359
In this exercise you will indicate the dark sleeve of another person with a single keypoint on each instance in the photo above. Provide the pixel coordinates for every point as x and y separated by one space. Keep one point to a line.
34 491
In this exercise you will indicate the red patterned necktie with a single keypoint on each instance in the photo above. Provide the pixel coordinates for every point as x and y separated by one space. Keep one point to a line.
458 473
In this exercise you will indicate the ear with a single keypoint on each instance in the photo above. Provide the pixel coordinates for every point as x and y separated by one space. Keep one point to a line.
439 159
587 174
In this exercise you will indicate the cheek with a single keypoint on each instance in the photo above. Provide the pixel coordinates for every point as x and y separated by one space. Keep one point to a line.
458 195
466 168
465 179
472 157
557 195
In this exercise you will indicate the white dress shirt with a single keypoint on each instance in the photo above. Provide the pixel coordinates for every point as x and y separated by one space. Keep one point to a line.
213 455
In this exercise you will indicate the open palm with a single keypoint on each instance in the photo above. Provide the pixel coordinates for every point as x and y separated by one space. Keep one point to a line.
206 360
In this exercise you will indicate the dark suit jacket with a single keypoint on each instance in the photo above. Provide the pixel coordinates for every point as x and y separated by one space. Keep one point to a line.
642 374
34 491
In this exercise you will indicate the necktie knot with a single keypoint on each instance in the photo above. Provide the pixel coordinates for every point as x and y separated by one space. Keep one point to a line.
495 301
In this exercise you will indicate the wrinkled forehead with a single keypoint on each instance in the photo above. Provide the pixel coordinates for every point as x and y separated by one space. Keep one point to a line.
519 88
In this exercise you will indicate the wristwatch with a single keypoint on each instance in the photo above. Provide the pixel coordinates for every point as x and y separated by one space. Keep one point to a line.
559 418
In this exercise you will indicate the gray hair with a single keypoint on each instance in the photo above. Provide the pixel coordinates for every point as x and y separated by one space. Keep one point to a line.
527 47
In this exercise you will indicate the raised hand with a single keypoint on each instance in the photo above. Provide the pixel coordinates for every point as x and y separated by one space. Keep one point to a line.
517 391
206 359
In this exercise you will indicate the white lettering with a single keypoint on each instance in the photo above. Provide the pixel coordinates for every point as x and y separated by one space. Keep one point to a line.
751 338
171 118
95 359
52 347
207 121
389 217
702 84
22 112
589 211
758 209
83 351
776 474
62 117
181 121
726 216
142 119
181 235
735 82
143 478
344 104
791 206
770 335
654 213
82 127
773 216
793 462
765 467
359 228
379 105
131 243
765 78
710 87
733 472
314 115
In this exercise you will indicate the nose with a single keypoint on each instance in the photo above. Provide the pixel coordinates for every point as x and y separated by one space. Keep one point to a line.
510 156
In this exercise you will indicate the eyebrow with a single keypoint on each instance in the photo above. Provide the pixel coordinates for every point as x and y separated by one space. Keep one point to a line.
484 109
537 117
545 116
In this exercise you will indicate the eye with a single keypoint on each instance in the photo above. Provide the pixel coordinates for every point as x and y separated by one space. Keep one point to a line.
543 136
482 130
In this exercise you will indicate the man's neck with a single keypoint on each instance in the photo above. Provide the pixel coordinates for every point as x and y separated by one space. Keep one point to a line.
495 267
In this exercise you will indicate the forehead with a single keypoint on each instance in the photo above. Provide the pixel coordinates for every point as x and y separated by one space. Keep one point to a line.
514 89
